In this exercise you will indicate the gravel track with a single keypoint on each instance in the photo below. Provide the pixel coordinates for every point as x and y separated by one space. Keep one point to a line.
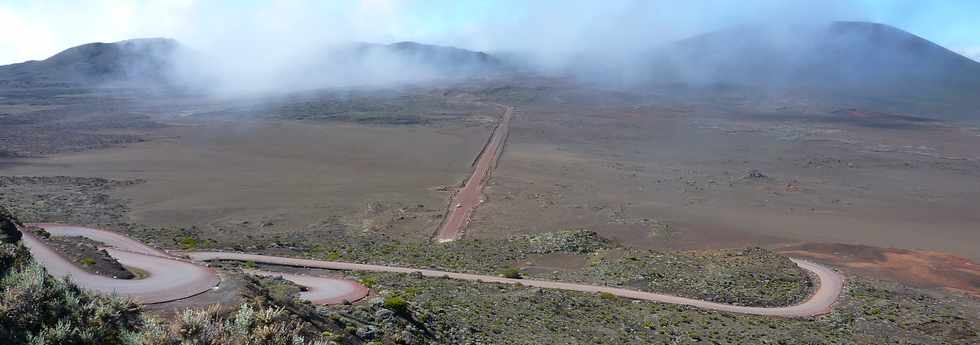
172 278
469 197
820 302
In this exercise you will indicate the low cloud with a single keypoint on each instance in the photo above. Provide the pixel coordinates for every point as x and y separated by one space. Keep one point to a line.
970 52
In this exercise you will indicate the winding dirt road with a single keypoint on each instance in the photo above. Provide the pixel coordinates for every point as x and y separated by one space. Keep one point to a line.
828 289
321 290
468 198
171 278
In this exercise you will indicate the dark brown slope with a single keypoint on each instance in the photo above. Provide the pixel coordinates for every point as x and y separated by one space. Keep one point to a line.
855 53
850 62
165 62
147 60
407 57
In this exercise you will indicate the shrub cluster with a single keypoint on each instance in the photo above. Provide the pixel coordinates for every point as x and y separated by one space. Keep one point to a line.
36 308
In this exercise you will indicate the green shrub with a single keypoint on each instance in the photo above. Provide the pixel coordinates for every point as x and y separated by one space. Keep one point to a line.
187 243
369 282
396 304
12 256
42 233
87 262
608 296
511 273
36 308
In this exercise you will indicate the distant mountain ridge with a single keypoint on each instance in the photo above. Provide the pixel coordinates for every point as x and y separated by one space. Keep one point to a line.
853 54
859 57
442 55
164 61
147 59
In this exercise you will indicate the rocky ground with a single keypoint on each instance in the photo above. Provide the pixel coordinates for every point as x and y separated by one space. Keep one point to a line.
35 125
449 311
403 107
870 315
9 233
751 276
64 199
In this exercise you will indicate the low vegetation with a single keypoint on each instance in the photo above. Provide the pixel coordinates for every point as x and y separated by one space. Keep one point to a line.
511 273
747 277
396 304
872 313
36 308
67 199
750 276
86 253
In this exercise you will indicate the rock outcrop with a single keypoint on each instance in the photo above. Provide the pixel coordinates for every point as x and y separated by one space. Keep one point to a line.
8 227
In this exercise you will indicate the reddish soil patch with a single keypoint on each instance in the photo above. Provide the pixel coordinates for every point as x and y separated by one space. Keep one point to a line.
913 267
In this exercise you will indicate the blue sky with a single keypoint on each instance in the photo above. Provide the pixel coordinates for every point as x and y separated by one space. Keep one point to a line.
954 24
38 29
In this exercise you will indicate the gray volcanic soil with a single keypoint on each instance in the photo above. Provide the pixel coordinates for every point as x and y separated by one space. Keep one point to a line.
227 175
669 170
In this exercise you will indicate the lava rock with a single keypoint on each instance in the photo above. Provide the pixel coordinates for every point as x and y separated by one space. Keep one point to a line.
8 227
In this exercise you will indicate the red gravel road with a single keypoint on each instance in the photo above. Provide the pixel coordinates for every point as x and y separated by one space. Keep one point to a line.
466 199
821 302
321 290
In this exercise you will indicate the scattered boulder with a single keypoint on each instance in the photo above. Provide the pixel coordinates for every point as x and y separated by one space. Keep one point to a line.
567 241
755 174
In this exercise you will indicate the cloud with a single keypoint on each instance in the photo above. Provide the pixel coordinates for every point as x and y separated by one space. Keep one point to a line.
255 41
38 29
29 42
970 52
548 30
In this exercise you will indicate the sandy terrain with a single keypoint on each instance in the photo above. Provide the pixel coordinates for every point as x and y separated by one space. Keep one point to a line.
676 174
282 175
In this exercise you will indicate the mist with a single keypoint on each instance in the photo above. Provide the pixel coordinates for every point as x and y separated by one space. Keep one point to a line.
303 45
230 48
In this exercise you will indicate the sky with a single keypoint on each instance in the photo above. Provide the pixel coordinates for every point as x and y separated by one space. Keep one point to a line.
34 30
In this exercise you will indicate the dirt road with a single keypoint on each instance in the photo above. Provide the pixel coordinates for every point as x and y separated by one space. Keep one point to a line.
470 196
830 283
171 278
321 290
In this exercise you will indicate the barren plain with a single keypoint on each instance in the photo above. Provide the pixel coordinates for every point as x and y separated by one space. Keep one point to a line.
663 172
